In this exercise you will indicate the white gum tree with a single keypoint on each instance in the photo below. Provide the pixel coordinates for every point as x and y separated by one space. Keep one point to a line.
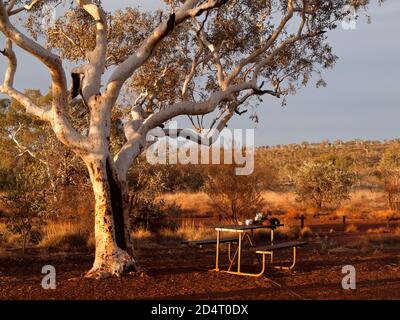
202 57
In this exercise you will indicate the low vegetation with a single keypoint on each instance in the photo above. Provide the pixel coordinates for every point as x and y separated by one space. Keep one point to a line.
327 180
66 236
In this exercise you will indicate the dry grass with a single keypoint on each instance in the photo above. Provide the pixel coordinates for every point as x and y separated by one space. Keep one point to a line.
189 230
378 230
377 239
351 228
65 236
284 202
292 232
382 215
142 234
363 205
194 203
287 232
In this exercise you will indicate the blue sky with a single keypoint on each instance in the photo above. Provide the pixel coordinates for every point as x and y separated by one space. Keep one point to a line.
360 102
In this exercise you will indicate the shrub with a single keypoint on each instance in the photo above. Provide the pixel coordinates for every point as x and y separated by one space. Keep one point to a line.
236 197
147 210
389 173
323 183
27 201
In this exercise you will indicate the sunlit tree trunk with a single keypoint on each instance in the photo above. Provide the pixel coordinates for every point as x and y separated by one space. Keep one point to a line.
114 249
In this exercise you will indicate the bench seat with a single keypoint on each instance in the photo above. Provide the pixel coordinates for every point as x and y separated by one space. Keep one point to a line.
270 249
279 246
209 241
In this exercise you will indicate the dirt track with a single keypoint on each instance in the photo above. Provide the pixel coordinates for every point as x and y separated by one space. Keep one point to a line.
177 272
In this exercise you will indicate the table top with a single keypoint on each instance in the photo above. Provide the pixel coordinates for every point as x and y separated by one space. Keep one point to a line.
239 228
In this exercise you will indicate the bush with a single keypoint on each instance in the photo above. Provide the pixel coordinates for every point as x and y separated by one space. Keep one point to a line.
147 213
237 197
27 201
323 183
389 173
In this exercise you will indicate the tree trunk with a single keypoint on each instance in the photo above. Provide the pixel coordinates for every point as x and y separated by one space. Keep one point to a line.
114 249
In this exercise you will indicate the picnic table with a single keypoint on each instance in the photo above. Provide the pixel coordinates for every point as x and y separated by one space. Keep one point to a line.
244 232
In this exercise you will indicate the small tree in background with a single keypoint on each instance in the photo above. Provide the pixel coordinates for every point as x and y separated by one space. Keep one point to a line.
26 199
324 183
236 197
389 173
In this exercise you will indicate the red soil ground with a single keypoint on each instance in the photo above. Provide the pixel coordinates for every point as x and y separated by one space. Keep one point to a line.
179 272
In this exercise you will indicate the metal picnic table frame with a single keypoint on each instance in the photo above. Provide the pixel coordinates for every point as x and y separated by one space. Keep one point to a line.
243 231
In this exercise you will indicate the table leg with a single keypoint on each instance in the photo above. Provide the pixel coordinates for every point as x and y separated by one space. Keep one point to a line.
217 252
249 237
239 251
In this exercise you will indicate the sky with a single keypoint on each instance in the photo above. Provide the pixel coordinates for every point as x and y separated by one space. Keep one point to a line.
361 100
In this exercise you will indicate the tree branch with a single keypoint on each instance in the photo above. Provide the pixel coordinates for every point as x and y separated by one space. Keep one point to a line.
93 71
136 142
191 8
270 41
59 120
28 7
8 86
215 54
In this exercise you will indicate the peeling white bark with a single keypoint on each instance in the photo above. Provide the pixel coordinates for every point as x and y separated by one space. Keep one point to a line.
110 259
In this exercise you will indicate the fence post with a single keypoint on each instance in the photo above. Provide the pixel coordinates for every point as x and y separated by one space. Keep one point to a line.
344 221
302 221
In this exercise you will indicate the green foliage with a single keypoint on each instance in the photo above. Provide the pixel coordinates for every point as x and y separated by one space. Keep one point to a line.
26 199
323 183
389 173
391 158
